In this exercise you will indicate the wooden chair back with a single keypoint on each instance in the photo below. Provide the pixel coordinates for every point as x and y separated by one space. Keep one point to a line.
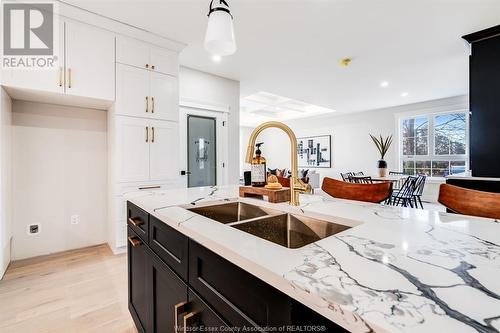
470 202
375 193
285 182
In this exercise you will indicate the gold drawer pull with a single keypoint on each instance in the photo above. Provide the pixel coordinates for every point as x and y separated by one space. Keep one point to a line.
147 134
152 134
135 221
69 78
152 105
134 241
152 66
147 65
60 76
179 309
147 104
189 319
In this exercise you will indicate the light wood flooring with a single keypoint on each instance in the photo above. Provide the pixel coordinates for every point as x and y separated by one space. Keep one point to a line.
83 290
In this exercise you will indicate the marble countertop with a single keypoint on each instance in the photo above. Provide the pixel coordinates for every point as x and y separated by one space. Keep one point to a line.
396 269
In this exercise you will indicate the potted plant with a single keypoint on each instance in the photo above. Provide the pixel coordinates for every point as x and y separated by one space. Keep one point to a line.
382 146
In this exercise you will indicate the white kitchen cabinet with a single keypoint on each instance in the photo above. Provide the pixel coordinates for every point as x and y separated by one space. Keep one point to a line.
90 61
42 80
164 150
142 93
164 97
136 53
132 149
86 65
132 89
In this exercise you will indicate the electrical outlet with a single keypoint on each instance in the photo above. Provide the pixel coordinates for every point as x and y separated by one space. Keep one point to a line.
75 219
33 229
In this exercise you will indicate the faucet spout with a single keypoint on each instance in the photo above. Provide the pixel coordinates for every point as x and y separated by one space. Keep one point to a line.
296 185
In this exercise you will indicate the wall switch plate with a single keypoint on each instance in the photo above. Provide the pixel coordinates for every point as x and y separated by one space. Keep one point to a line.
75 219
33 229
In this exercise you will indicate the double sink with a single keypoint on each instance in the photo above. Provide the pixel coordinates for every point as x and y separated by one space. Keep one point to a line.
288 230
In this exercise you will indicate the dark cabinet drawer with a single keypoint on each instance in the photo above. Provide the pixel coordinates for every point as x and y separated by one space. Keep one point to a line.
170 245
166 291
138 220
240 298
201 318
138 268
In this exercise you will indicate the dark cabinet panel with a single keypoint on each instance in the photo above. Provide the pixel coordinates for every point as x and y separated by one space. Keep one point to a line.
138 220
240 298
138 269
170 245
167 290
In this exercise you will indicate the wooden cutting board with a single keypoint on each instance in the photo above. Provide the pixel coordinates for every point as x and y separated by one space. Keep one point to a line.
273 196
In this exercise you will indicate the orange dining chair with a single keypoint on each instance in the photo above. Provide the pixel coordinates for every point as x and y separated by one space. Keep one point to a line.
376 193
470 202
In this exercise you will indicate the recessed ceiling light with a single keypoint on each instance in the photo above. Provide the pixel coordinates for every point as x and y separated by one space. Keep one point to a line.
404 94
384 84
216 58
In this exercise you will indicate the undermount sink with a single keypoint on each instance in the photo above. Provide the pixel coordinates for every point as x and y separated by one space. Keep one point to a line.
232 212
288 230
291 231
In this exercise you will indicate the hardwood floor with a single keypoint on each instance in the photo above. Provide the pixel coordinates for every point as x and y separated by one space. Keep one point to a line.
82 290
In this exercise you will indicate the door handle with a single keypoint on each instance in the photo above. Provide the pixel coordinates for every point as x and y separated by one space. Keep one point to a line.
60 76
179 309
135 221
147 134
134 241
70 81
184 173
189 319
147 104
152 134
152 105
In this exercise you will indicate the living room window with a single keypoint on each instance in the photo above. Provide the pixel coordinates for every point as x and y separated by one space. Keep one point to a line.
434 144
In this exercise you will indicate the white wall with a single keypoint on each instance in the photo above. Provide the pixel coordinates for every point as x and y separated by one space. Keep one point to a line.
5 180
196 86
352 148
59 169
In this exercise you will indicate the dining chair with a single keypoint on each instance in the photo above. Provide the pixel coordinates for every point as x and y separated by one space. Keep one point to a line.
285 182
359 173
419 190
362 180
375 193
346 176
404 195
470 202
396 173
398 184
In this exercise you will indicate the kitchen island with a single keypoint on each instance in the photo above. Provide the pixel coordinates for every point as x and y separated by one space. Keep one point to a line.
394 270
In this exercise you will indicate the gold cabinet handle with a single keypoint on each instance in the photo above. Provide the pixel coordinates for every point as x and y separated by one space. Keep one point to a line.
152 105
69 78
152 134
147 104
147 65
152 66
147 134
135 221
189 319
60 76
179 309
134 241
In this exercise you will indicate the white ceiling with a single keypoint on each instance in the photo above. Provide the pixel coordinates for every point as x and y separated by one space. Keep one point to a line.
292 48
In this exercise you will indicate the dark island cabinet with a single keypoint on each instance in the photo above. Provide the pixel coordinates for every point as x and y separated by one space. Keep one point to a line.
178 285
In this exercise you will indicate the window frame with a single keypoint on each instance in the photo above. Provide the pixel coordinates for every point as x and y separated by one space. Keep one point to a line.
431 140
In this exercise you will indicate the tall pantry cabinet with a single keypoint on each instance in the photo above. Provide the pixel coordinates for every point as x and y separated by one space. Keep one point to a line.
143 128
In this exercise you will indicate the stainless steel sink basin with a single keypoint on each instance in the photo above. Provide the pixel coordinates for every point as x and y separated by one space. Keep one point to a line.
233 212
291 231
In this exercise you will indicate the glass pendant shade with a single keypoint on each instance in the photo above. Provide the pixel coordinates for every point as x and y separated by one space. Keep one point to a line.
219 39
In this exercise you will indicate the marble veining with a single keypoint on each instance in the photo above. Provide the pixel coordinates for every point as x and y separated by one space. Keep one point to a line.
395 270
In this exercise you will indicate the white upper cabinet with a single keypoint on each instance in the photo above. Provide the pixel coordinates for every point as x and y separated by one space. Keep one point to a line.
90 61
164 97
132 91
136 53
143 93
43 80
164 150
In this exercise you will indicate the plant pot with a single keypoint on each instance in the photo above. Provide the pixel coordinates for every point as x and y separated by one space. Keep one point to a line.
382 168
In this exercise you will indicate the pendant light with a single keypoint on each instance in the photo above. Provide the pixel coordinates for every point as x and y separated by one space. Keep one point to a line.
219 39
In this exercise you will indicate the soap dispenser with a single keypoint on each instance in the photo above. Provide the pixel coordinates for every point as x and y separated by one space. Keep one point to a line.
259 170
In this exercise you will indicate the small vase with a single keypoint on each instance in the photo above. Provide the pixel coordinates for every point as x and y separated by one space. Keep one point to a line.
382 168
